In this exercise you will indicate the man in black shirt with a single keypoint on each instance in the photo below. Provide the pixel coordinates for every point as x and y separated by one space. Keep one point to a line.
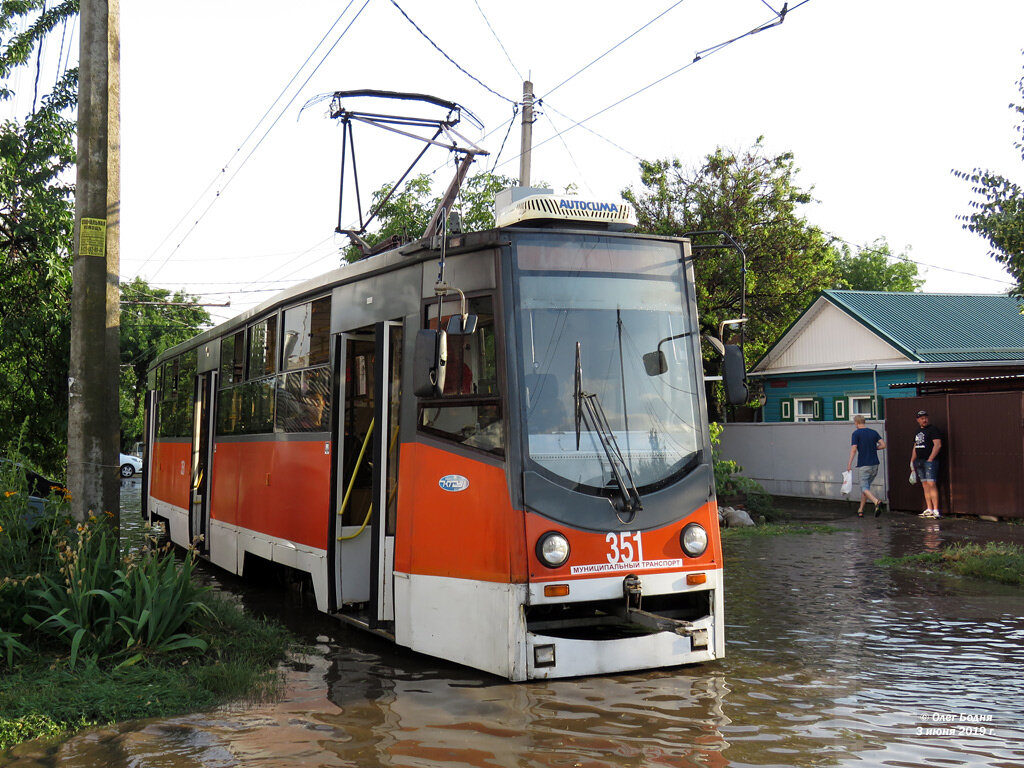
924 462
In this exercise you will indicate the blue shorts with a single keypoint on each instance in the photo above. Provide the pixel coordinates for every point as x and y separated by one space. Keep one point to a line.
866 475
927 471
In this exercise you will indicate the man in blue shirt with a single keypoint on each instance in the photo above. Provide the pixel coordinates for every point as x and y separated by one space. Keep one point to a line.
865 444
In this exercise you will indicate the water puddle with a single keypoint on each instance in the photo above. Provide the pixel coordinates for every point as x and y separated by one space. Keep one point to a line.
831 661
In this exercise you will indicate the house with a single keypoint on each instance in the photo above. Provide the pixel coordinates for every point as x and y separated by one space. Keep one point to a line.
840 356
854 352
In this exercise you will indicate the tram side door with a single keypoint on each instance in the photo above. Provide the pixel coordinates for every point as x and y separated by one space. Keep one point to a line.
368 367
202 445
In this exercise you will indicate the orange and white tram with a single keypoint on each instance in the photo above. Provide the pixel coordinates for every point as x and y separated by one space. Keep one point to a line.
523 485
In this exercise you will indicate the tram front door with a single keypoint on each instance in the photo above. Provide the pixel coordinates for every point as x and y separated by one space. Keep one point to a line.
367 367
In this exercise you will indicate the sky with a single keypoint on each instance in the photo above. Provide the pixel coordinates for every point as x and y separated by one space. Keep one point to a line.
230 190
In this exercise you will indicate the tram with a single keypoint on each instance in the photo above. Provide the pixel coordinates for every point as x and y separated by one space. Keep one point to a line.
491 447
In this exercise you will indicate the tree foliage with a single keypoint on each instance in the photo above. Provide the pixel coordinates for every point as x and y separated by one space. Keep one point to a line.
152 320
754 197
998 210
876 268
406 214
36 222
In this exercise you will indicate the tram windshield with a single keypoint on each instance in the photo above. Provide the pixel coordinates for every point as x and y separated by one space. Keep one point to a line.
622 301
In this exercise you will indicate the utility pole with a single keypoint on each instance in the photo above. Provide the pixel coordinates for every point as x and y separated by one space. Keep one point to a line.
527 136
94 423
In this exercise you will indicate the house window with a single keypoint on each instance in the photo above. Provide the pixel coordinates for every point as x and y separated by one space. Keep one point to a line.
806 409
862 406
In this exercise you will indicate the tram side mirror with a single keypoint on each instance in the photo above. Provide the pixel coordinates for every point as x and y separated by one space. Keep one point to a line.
462 325
655 363
430 358
734 375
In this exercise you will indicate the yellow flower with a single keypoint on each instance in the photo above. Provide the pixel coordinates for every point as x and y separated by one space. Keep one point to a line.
1 529
8 494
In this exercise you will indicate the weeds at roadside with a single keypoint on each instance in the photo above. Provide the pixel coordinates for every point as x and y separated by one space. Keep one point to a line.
995 561
90 636
777 529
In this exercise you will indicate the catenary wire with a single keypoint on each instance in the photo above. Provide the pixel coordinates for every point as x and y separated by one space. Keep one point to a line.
503 49
701 56
213 181
472 77
843 240
621 42
265 133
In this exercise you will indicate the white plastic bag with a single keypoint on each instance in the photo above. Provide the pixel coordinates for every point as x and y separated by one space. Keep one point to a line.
913 477
847 483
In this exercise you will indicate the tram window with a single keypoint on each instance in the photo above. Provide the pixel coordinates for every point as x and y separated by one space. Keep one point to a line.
229 411
186 393
478 426
263 347
472 364
303 400
469 411
169 375
232 359
307 334
258 406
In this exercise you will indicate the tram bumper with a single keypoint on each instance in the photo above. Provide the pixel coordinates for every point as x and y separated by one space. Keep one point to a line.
659 624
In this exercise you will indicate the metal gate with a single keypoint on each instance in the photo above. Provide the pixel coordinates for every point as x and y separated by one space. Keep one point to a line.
982 459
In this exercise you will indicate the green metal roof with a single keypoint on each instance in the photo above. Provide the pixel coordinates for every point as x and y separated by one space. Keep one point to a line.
940 327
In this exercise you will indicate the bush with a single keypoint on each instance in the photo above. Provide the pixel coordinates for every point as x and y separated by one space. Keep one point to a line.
728 481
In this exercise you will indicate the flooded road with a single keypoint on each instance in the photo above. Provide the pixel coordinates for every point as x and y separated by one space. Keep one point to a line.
830 661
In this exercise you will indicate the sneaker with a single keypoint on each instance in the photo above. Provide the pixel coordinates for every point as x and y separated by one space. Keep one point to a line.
926 513
931 513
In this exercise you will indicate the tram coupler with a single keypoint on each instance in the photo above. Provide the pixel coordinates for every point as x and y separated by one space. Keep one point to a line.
631 613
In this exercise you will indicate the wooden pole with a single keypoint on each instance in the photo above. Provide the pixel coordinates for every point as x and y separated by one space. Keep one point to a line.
94 422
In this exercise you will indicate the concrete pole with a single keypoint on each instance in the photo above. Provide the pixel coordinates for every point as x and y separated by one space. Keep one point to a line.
94 422
527 135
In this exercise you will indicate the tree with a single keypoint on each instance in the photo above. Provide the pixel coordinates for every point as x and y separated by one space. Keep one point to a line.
754 197
152 320
875 268
999 210
36 222
408 212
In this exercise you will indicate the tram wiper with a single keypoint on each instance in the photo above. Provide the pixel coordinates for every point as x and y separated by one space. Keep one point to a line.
589 402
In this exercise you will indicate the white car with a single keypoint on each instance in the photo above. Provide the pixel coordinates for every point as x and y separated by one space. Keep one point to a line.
130 465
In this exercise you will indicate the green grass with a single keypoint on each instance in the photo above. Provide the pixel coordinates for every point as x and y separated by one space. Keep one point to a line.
995 561
47 699
778 529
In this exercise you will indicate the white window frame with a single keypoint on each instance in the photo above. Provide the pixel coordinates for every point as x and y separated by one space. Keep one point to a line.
798 415
869 414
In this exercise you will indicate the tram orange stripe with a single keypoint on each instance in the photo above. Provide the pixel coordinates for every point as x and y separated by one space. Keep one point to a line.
472 533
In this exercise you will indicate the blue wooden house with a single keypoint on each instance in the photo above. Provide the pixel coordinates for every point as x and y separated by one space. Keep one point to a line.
839 357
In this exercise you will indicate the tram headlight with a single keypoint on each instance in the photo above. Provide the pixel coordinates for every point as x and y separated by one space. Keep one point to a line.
694 539
553 549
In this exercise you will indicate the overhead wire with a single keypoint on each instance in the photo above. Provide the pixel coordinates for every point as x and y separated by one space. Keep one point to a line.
503 49
568 151
701 56
253 131
618 44
903 257
461 69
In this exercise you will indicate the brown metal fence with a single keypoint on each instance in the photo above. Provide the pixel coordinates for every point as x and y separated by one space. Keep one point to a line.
982 459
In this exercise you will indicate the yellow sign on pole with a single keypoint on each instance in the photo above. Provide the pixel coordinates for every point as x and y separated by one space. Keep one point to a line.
92 237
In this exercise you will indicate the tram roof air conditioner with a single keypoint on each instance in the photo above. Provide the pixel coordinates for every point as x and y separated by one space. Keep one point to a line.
538 207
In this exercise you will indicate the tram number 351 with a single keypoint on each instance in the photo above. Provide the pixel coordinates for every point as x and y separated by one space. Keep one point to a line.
625 547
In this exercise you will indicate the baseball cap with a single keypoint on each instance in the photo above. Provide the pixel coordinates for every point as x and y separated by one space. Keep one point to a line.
922 413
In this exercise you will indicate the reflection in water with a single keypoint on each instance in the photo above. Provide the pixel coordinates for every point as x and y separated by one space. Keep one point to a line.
831 660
